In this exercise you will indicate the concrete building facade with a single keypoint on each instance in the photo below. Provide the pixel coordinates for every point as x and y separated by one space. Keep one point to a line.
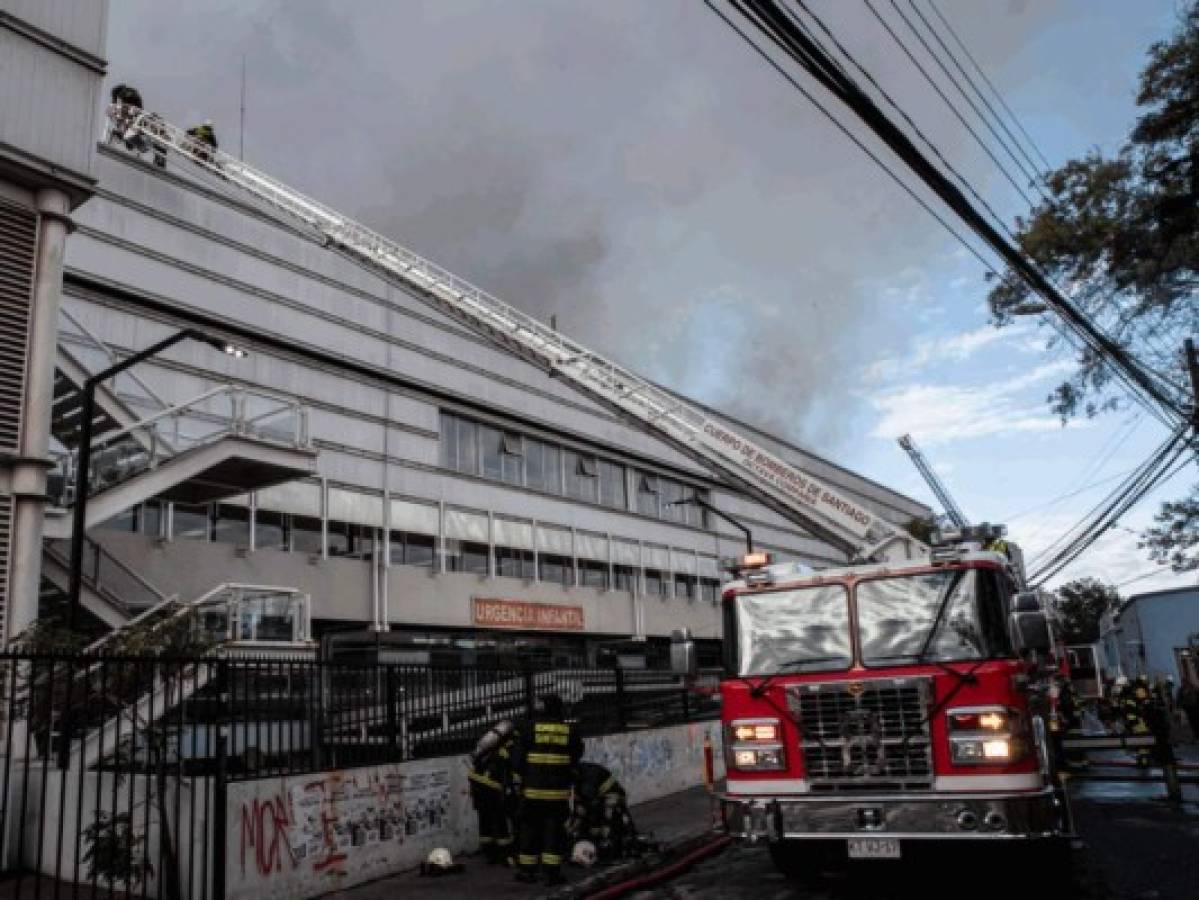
51 69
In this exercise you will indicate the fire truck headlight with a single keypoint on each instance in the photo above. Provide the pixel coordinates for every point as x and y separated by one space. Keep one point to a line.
998 749
758 759
982 735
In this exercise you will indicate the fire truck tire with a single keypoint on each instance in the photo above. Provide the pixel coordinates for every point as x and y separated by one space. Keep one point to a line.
803 861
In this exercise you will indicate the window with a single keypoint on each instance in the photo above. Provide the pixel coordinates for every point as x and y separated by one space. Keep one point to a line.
272 530
543 466
514 563
684 586
593 573
191 522
671 493
466 556
709 589
306 535
582 481
153 516
656 584
612 485
647 494
555 569
129 520
349 539
512 460
413 549
491 451
624 578
805 630
459 444
231 525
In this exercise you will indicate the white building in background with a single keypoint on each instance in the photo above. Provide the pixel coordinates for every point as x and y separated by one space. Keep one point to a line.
406 473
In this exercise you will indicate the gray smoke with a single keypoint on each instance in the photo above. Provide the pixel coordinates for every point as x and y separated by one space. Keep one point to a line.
629 167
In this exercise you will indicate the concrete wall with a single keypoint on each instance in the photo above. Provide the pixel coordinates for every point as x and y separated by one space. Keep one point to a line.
307 835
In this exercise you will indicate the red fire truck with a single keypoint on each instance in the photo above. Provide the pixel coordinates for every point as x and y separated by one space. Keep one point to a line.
876 705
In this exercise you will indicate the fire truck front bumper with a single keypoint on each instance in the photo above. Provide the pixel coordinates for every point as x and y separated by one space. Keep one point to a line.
982 816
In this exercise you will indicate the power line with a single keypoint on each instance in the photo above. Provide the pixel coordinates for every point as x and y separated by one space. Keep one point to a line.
1033 177
877 160
974 87
994 90
949 103
773 23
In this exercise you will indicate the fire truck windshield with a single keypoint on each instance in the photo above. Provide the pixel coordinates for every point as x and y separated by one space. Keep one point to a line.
935 617
803 630
942 616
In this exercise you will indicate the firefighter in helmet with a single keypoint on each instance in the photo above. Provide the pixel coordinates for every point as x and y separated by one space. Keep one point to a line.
601 812
205 137
546 762
490 785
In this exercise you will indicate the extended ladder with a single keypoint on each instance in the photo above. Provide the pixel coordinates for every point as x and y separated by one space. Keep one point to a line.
842 521
952 510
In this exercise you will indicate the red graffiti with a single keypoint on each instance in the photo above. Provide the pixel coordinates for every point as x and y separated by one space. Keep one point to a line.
329 860
264 825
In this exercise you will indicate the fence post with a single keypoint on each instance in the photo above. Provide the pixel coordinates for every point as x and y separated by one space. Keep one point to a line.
622 718
220 801
393 722
530 691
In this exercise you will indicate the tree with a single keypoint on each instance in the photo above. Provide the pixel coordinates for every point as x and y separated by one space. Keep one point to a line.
1080 606
1122 232
1175 538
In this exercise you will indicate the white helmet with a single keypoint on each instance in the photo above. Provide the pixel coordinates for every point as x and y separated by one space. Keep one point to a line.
584 854
439 858
1122 681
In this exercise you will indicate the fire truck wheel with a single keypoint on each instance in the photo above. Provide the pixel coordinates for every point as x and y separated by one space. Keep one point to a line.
804 861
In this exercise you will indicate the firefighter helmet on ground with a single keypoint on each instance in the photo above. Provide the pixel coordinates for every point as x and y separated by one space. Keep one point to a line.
439 858
584 854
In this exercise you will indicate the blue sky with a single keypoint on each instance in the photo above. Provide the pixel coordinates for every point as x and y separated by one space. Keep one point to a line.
631 168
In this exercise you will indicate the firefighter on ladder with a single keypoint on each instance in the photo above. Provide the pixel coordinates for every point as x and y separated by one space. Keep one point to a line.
546 762
204 137
490 787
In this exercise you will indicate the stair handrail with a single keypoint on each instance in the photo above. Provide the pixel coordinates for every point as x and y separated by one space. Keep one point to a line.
112 355
110 560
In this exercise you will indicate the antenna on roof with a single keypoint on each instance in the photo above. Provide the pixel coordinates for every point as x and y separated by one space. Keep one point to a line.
241 136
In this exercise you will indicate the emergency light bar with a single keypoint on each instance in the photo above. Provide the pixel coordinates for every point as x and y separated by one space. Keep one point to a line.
735 565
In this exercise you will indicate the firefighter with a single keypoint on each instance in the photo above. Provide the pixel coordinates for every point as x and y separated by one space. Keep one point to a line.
601 812
205 136
125 95
546 762
126 104
1135 702
490 785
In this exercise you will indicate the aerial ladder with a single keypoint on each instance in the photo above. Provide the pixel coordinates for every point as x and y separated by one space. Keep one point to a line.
952 510
838 519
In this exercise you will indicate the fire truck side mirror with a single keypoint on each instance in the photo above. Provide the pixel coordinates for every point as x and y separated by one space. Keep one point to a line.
1030 632
683 658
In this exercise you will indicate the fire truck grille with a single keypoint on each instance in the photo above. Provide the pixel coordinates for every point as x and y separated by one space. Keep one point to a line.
864 733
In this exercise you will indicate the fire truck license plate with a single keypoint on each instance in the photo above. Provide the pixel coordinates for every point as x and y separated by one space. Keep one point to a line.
874 848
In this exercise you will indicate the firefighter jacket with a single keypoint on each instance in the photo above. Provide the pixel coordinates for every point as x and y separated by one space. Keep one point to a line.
492 770
595 782
547 759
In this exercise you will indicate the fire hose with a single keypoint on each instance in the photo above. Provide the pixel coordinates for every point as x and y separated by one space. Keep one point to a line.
673 870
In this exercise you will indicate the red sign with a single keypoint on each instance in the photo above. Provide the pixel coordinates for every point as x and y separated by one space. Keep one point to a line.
520 614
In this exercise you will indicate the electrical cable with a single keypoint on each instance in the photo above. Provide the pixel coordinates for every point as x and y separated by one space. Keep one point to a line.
978 93
987 80
1034 178
768 19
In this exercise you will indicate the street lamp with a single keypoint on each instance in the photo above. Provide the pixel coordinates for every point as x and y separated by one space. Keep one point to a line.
704 504
83 461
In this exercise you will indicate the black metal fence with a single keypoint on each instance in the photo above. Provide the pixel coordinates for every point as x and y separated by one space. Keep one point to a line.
114 768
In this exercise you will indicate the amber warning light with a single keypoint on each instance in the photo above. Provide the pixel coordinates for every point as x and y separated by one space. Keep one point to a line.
759 560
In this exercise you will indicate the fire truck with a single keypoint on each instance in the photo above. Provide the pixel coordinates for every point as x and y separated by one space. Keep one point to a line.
876 705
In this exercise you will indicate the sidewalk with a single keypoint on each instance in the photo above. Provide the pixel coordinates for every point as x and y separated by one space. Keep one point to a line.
666 820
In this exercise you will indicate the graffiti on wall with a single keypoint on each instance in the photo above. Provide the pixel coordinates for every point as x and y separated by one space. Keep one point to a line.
320 822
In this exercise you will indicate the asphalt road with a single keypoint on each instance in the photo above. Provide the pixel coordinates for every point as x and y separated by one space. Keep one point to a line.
1131 850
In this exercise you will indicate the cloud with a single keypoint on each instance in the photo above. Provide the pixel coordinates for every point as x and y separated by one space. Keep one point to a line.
955 348
940 413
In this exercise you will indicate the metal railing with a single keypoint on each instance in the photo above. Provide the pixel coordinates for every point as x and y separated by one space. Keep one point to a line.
117 455
119 584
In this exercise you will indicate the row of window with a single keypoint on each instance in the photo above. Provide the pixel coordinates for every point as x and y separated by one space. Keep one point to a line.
225 523
475 448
